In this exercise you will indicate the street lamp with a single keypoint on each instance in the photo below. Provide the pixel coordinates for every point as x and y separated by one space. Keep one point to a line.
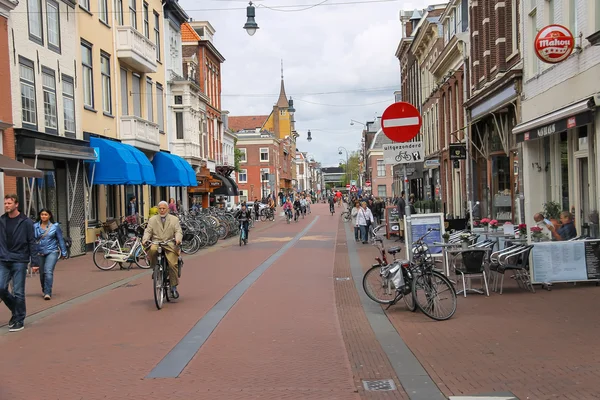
352 122
309 138
340 153
251 26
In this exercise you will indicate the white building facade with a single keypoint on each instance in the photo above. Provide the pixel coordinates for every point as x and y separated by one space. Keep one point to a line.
560 123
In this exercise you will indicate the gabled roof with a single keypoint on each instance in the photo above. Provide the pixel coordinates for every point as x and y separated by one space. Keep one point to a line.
188 34
248 122
282 102
379 140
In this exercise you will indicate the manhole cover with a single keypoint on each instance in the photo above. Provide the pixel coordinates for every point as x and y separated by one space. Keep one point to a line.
342 279
379 385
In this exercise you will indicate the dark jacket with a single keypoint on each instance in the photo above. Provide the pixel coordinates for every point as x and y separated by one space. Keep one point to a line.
401 207
24 246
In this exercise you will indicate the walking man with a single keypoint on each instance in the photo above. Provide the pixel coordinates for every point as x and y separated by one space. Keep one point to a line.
17 246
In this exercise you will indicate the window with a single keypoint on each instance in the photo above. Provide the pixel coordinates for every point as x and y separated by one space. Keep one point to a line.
264 174
381 191
550 11
136 89
53 25
159 107
119 11
68 92
132 14
242 155
85 4
380 168
179 100
243 176
264 154
87 75
103 11
157 35
149 109
111 203
514 26
49 88
179 124
106 87
534 64
34 15
91 198
124 93
146 22
28 109
573 19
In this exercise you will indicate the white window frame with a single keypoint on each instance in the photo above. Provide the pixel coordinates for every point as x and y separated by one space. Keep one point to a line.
381 163
244 173
160 107
264 171
85 4
179 133
119 11
50 100
34 13
245 153
68 93
87 76
149 98
260 154
157 34
133 14
106 83
137 95
378 191
146 20
103 11
27 89
53 25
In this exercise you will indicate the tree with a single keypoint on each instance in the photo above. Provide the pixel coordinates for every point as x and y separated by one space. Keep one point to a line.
352 170
237 156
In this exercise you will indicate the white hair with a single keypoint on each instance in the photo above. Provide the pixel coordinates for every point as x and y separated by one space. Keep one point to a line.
163 202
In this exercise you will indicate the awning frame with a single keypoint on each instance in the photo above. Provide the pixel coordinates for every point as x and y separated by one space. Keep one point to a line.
565 112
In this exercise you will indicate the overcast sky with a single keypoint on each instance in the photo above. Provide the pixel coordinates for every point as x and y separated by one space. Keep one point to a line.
336 48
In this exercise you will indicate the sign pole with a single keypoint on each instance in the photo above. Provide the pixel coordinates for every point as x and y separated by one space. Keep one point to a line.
408 232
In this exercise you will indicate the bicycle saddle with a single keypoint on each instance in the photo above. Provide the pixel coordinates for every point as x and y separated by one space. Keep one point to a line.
394 250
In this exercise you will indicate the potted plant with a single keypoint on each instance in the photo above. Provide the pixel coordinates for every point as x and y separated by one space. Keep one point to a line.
552 211
536 233
522 229
465 239
446 237
494 225
485 222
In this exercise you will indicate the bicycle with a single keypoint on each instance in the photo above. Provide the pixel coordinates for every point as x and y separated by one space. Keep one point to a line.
288 215
332 209
110 251
267 213
160 275
243 238
346 216
403 155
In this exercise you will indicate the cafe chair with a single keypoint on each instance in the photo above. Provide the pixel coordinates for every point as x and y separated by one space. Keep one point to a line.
473 266
494 262
518 263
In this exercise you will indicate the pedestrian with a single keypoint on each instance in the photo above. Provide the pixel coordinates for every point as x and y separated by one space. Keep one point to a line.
131 207
17 247
401 212
50 245
364 219
353 215
256 208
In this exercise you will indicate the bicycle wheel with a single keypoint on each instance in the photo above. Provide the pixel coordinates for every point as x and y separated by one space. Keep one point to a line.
434 295
141 258
346 216
263 217
100 260
409 297
157 278
272 216
379 289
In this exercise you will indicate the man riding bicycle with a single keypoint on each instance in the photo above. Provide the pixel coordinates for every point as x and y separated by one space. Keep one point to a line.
162 228
296 209
303 205
331 204
243 218
287 208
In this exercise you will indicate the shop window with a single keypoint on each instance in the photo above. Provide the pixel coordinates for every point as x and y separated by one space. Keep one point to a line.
92 200
564 167
501 189
111 201
582 138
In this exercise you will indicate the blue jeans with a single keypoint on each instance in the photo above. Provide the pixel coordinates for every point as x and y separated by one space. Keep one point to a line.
356 232
17 272
363 233
47 264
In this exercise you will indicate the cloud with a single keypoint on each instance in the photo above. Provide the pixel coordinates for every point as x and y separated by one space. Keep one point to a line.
344 48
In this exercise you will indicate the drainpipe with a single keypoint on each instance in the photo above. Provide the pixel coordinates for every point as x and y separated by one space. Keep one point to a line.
467 116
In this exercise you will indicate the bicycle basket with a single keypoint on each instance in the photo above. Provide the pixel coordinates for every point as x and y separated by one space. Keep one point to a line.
110 226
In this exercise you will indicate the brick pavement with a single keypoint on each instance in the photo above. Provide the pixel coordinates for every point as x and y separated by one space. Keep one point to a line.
104 348
538 346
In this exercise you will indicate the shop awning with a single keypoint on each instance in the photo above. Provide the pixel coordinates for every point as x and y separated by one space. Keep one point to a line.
14 168
146 168
228 186
172 170
573 116
117 165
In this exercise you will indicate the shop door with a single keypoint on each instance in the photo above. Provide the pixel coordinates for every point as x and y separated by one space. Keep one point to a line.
582 211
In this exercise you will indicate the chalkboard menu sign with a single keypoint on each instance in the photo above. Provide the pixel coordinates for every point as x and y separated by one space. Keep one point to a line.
391 221
566 261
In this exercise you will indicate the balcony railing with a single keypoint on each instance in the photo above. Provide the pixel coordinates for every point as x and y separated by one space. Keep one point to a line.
136 50
140 133
223 159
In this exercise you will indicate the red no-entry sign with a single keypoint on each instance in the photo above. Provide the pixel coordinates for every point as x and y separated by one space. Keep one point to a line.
401 122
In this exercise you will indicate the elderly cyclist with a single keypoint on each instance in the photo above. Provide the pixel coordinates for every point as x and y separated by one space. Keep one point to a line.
162 228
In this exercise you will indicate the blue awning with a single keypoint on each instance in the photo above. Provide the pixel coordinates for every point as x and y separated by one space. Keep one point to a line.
172 170
117 165
146 168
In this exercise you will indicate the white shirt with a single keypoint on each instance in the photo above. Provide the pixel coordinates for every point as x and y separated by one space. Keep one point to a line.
364 215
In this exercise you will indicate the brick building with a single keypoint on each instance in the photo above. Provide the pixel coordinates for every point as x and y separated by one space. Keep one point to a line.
7 138
493 106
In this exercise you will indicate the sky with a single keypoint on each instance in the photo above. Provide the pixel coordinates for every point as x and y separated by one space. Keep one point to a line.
345 48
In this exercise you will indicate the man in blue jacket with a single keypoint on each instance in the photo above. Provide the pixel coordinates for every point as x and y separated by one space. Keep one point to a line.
17 246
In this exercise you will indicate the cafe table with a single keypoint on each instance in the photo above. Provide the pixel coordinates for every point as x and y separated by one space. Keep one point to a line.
446 247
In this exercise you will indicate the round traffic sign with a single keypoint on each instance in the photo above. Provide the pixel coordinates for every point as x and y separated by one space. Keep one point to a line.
347 186
401 122
554 43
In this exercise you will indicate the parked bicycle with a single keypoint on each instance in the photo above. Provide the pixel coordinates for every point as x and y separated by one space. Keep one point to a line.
346 216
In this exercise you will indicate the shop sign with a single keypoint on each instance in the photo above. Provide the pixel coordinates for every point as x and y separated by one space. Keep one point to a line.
458 151
215 184
556 127
554 44
432 163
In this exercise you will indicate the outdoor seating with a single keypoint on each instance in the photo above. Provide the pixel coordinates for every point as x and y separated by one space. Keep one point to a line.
494 262
473 265
518 263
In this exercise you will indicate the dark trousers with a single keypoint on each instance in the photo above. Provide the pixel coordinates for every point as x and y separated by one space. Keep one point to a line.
356 233
17 272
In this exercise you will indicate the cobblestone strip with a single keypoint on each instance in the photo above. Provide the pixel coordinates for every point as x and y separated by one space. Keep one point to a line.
367 359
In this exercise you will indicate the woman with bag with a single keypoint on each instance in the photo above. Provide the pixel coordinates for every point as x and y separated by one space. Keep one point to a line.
364 218
353 215
50 246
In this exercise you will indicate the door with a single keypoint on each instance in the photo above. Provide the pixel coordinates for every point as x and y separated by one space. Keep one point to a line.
583 194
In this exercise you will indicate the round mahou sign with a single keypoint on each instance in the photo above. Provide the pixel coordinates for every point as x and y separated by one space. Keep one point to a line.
554 44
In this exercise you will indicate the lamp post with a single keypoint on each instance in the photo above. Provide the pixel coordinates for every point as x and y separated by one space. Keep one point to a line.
340 153
251 26
352 122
